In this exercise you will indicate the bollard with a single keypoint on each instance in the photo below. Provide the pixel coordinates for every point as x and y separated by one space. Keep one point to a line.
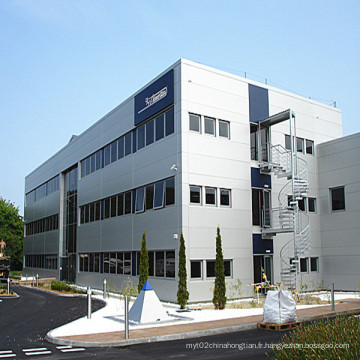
332 297
88 303
126 317
104 289
37 280
8 286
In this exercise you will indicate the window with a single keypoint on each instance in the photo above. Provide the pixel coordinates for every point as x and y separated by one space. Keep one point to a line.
210 268
128 203
92 163
113 151
87 213
196 269
194 124
227 267
120 207
224 129
287 142
170 264
210 196
107 208
150 132
121 143
300 145
127 144
169 122
107 155
159 123
112 263
96 263
311 204
310 147
141 137
151 263
97 210
337 198
98 159
304 265
120 263
302 204
159 263
314 261
106 263
139 207
224 197
127 263
253 141
149 198
195 194
92 212
159 195
113 206
170 192
210 126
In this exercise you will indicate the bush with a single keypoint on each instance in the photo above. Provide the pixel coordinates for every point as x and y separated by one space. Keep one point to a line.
60 286
326 339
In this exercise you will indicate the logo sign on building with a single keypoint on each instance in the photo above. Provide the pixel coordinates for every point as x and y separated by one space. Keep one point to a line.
155 97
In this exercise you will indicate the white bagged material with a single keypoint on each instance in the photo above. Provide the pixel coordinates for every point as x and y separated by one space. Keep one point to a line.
279 307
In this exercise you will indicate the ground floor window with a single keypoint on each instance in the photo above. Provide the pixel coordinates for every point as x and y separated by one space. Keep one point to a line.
196 268
41 261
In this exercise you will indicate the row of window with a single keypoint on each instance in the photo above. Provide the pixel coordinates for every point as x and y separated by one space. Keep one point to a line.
161 263
43 190
152 196
196 269
209 125
42 225
41 261
212 196
307 264
305 204
146 134
304 146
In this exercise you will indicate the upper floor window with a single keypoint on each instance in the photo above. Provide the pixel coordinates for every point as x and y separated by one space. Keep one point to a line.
195 123
224 129
210 126
210 196
309 147
225 195
300 145
311 204
337 198
195 194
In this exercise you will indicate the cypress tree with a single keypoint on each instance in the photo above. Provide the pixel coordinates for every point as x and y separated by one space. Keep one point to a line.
219 299
182 294
144 263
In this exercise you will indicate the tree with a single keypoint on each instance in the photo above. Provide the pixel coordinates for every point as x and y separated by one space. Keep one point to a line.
219 299
182 294
144 263
12 232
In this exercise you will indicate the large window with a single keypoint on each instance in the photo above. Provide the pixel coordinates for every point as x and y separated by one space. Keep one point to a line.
210 268
337 198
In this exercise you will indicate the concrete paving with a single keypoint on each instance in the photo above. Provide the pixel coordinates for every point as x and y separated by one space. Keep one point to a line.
194 329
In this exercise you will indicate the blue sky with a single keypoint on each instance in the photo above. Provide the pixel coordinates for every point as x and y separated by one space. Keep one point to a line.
65 64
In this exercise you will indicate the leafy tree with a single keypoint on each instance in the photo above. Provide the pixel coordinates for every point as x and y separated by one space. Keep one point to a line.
12 232
219 299
144 263
182 294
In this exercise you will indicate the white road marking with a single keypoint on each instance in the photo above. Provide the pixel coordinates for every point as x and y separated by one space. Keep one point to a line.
36 349
64 347
73 350
37 353
6 352
7 356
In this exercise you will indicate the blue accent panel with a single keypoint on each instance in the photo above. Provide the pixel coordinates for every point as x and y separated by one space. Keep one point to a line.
134 141
146 286
133 263
258 180
258 103
262 246
157 96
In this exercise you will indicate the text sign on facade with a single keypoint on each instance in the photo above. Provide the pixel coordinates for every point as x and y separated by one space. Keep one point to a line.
155 97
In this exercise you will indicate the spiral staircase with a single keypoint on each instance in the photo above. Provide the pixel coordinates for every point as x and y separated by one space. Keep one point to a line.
287 217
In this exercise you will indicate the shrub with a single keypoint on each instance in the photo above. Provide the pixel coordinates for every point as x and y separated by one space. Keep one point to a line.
60 286
327 339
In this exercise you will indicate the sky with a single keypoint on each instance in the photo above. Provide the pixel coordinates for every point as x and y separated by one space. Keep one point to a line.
64 64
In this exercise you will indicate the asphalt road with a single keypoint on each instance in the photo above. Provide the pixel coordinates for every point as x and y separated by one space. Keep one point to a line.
25 321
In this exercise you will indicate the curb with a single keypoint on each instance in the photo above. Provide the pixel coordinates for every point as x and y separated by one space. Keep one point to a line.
10 297
181 336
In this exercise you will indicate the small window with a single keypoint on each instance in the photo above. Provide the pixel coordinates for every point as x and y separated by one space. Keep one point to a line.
287 142
225 197
224 129
228 268
86 214
107 208
113 151
302 204
169 122
112 263
97 210
159 195
128 202
149 197
311 205
98 160
127 144
314 261
159 263
194 123
121 142
96 263
170 264
210 268
337 198
159 123
304 265
141 137
82 219
120 206
195 194
150 132
300 145
107 155
120 263
210 126
92 212
196 269
92 163
151 263
127 263
170 192
253 141
106 263
210 196
140 200
309 147
113 206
